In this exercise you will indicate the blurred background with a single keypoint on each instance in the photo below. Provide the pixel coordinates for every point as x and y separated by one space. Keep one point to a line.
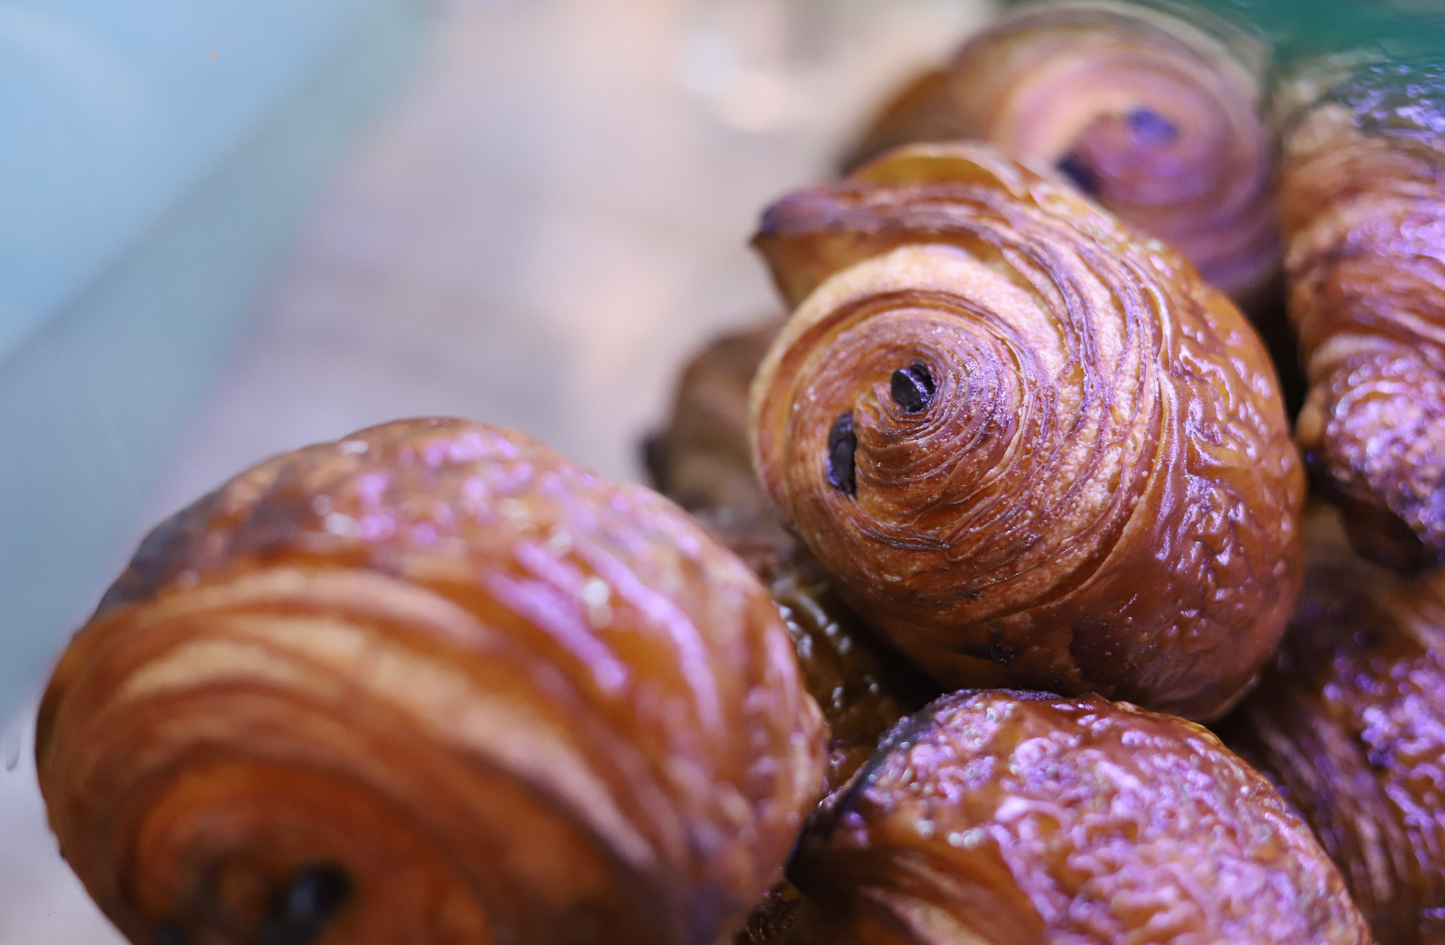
234 228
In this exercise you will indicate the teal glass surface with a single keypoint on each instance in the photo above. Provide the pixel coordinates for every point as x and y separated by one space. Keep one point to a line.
1301 28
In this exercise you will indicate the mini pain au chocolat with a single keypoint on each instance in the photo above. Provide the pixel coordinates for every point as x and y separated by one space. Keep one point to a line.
1007 818
1350 724
1029 446
1151 109
430 683
1362 199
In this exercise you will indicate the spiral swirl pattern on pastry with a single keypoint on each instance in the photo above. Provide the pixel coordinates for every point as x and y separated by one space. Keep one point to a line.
1032 448
443 682
1013 818
1152 110
1362 196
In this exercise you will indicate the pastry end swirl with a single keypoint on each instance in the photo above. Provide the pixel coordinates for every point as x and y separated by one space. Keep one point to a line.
429 683
1082 479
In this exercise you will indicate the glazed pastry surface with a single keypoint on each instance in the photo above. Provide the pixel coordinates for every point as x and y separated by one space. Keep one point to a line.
430 683
1362 197
701 459
1350 724
1154 111
861 684
1001 817
1030 447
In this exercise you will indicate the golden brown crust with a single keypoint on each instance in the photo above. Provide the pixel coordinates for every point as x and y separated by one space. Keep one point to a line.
701 460
997 817
1362 198
1100 495
504 699
862 686
1153 110
1351 726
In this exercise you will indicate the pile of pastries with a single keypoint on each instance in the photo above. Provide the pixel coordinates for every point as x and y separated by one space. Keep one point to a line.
959 559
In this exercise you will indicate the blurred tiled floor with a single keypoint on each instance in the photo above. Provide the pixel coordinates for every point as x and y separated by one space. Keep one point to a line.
537 235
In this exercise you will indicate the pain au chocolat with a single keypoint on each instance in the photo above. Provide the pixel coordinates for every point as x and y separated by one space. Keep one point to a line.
1349 722
430 683
1153 109
1362 199
1028 445
1007 818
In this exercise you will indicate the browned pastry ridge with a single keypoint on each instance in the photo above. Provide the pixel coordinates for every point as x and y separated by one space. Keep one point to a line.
1154 111
1005 818
1351 726
702 460
1031 448
862 685
1362 197
430 683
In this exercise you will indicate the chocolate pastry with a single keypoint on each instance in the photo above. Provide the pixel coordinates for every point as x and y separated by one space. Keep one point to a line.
1028 446
1362 198
1152 110
1350 724
430 683
1004 817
